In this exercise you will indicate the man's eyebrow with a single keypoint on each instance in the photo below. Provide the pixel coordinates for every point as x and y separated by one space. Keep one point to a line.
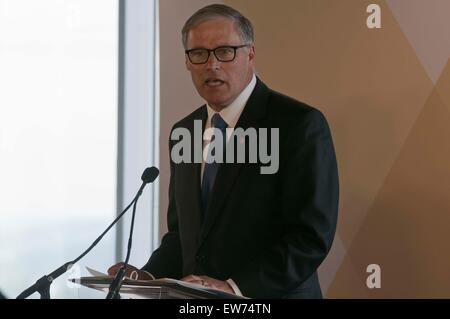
219 46
195 48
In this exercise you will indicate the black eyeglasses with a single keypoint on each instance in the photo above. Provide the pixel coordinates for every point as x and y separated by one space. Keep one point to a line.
222 54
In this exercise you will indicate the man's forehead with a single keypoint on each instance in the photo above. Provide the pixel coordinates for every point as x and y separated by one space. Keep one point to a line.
215 31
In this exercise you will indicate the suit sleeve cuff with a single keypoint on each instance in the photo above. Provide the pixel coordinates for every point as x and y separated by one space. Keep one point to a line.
235 288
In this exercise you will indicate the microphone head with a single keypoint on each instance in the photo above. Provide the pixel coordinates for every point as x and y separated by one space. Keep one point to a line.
150 174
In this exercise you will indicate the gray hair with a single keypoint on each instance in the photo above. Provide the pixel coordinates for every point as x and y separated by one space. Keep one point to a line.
242 24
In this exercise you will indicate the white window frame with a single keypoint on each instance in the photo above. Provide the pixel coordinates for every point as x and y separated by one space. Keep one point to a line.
138 127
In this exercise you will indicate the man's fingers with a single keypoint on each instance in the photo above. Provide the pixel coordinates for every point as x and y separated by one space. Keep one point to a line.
114 269
131 272
110 271
200 280
192 278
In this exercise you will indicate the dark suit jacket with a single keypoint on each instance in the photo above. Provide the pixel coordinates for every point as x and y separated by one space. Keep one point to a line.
268 233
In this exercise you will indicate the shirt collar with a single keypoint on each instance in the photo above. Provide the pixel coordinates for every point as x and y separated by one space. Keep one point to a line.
232 112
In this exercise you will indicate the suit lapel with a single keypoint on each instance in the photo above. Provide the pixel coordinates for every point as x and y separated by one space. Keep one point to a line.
190 172
253 112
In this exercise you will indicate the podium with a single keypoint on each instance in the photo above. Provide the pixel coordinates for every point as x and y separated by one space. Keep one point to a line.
165 288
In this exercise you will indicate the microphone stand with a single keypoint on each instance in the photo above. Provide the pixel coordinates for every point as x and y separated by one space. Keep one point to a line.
42 286
116 284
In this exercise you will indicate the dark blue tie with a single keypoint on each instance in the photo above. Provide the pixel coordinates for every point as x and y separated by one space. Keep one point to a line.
210 169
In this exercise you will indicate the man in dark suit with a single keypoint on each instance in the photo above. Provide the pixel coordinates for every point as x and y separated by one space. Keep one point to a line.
230 226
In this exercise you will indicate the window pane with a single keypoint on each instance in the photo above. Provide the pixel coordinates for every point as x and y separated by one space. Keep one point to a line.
58 136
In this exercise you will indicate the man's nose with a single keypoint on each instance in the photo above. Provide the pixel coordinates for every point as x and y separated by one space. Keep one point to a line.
213 63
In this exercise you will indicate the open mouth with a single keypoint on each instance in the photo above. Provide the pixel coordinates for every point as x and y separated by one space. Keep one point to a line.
214 82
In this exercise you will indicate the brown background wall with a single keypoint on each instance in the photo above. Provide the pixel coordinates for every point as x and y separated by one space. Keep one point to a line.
386 95
177 93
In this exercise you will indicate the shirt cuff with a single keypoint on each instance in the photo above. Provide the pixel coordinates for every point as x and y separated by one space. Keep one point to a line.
235 288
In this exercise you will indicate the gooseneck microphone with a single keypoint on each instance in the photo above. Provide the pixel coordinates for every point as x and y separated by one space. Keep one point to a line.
42 286
148 176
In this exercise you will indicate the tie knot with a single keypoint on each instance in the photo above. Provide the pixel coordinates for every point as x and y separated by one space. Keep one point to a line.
218 122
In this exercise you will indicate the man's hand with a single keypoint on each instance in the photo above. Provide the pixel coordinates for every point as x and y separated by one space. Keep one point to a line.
209 283
131 272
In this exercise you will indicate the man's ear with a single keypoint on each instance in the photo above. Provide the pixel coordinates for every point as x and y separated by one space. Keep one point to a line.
252 52
187 63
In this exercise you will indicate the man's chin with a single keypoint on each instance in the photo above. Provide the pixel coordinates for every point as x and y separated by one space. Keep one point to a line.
217 105
216 102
